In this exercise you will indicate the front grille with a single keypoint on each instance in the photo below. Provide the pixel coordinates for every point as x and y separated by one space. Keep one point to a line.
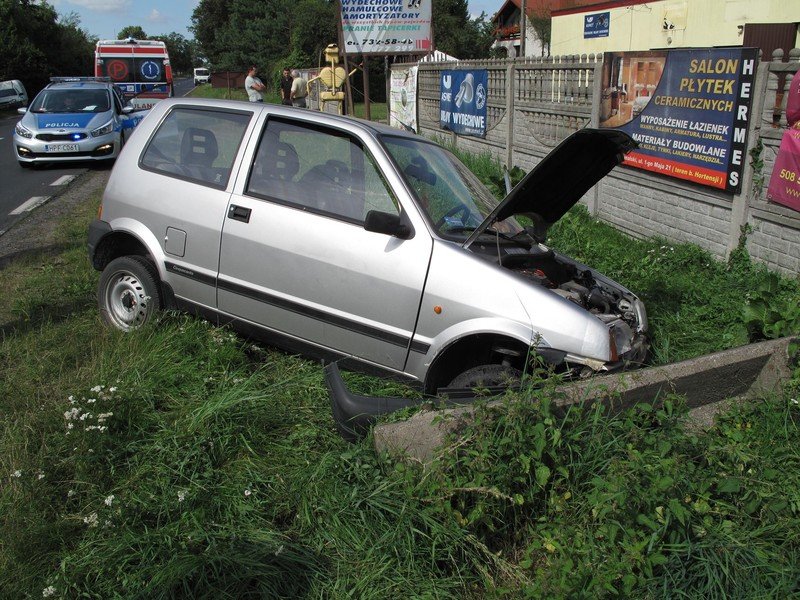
61 137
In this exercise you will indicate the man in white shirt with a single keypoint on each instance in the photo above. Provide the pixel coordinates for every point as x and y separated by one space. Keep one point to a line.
299 89
254 86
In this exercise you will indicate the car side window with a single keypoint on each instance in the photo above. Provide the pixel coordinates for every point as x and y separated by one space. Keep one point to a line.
318 169
197 144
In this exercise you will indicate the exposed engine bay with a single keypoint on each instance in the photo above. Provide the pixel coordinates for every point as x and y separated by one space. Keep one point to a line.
609 302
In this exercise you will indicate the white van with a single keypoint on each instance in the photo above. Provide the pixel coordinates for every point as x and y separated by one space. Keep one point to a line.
12 94
201 75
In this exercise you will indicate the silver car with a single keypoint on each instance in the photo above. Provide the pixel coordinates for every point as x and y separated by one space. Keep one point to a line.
73 119
356 242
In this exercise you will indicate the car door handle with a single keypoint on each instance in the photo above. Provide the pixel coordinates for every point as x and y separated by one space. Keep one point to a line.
239 213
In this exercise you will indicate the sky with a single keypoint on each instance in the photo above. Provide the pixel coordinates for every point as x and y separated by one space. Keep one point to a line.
105 18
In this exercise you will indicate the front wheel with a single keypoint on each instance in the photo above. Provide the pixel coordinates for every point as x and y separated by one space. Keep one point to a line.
487 376
128 293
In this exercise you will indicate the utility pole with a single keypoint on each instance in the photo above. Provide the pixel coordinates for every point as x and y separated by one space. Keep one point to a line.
522 27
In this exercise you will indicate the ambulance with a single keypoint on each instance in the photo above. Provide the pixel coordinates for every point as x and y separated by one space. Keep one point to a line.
139 68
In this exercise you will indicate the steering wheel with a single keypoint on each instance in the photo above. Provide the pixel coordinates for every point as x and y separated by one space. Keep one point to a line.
461 210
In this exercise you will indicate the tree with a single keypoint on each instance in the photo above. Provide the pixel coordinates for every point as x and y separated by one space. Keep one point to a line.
181 51
132 31
456 33
539 20
35 44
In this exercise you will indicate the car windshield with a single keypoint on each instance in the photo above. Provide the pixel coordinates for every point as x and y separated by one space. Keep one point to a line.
71 101
5 93
201 71
455 201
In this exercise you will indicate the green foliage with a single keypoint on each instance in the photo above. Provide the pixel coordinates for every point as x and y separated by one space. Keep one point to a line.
35 44
772 309
627 505
132 31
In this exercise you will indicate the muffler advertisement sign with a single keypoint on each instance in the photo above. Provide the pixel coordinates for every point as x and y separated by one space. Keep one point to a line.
689 110
386 26
462 103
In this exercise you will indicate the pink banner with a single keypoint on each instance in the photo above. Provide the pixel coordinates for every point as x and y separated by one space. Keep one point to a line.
784 185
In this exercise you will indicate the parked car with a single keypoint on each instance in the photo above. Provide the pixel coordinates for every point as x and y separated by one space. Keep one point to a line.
74 119
201 75
12 94
350 240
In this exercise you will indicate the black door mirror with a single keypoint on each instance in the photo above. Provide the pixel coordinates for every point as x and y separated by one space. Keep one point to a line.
388 223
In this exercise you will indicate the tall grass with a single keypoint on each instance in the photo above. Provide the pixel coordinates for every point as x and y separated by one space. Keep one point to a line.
181 461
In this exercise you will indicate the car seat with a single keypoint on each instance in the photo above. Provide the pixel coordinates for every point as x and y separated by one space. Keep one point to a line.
275 167
198 152
327 188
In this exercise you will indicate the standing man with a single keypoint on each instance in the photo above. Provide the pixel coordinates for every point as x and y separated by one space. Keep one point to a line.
253 86
299 89
286 87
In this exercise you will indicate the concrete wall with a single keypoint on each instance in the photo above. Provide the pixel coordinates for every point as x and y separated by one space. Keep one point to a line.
533 104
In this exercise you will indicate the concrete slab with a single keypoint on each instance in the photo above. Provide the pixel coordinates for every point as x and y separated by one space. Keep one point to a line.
704 381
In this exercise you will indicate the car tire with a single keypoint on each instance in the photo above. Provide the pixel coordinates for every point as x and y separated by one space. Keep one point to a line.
487 376
128 293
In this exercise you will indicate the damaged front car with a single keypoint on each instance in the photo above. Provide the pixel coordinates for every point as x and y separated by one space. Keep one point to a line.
496 298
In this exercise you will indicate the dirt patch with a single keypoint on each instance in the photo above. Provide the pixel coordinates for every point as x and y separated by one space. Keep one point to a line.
36 232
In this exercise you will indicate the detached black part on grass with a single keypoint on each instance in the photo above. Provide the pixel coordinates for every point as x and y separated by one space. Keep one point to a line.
355 414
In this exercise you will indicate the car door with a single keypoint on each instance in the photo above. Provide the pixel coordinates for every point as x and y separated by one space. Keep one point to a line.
295 256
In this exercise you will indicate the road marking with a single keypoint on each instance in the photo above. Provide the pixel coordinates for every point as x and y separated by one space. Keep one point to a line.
63 180
30 204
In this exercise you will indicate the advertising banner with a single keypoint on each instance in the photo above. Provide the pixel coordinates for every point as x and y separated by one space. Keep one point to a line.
403 103
462 105
386 26
688 109
784 185
596 25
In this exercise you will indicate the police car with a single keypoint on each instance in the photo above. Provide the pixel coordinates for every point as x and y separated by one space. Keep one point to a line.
74 119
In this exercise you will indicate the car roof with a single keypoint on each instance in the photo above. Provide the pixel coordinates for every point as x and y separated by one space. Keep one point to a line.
370 127
79 85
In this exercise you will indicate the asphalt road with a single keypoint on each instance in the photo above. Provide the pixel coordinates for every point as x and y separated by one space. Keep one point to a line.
22 190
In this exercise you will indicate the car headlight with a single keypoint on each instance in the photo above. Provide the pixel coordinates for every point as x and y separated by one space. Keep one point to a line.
23 131
103 129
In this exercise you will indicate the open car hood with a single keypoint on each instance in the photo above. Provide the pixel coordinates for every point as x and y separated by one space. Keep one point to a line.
561 179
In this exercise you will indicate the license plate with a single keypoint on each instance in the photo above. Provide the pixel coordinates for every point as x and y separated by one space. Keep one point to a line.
61 148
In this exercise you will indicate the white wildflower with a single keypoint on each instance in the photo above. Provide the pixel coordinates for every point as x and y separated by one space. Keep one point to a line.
91 401
794 401
91 520
72 413
71 399
96 389
109 500
40 476
17 473
48 591
70 493
181 496
247 492
112 389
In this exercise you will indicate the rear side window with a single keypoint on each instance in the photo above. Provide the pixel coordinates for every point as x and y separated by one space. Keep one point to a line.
197 145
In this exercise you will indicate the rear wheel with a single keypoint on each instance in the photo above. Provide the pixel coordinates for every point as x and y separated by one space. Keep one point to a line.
128 293
487 376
